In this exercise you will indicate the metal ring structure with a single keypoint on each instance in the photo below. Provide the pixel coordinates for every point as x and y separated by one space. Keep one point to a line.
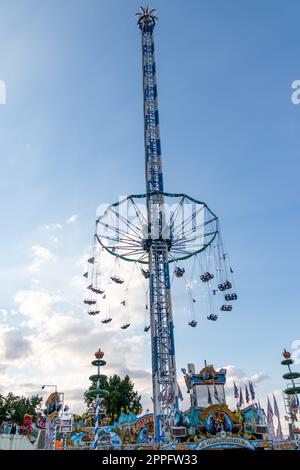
188 226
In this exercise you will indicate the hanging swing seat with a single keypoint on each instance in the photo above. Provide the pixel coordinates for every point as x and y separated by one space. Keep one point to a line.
147 328
231 296
179 272
89 302
212 317
97 290
206 277
226 308
193 323
93 312
107 320
224 286
145 273
117 279
124 327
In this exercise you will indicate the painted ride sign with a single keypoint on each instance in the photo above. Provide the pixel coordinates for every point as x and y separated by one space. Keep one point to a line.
228 441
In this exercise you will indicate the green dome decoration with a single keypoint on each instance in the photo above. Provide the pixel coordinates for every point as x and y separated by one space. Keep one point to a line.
287 362
97 391
99 362
291 375
95 377
292 390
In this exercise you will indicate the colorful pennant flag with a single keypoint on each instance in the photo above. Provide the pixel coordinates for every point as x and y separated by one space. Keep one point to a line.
216 394
260 414
247 394
270 415
235 390
279 434
251 389
241 399
179 392
209 400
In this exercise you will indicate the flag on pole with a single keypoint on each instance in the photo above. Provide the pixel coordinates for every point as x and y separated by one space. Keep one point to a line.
247 394
180 396
235 390
279 434
251 389
216 394
260 414
241 399
209 400
270 415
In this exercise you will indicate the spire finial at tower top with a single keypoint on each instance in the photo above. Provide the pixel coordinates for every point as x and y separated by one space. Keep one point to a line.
286 354
146 18
99 354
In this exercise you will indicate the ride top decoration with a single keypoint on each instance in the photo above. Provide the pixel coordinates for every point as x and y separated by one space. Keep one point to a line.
154 231
209 422
99 392
53 406
205 387
291 397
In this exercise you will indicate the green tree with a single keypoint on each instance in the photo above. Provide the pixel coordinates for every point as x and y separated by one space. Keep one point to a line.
14 407
121 395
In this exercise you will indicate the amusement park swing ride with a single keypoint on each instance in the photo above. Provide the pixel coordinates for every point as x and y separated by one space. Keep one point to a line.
158 232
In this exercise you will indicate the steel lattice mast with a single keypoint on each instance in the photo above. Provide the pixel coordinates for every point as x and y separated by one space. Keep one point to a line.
155 237
157 241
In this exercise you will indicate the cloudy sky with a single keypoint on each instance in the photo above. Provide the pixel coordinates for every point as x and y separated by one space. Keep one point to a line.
71 138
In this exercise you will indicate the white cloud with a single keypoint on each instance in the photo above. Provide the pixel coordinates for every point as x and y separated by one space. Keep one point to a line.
36 306
72 219
16 345
78 282
41 255
60 347
60 338
3 313
240 378
55 240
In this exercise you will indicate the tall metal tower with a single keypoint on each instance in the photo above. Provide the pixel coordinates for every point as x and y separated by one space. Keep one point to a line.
155 229
157 243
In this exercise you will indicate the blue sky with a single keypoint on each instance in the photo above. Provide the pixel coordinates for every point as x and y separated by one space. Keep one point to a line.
71 137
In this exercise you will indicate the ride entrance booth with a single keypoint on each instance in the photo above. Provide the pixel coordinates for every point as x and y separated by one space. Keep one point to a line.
210 423
207 387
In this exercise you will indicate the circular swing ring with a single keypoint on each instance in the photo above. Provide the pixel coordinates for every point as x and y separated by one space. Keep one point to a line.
187 226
